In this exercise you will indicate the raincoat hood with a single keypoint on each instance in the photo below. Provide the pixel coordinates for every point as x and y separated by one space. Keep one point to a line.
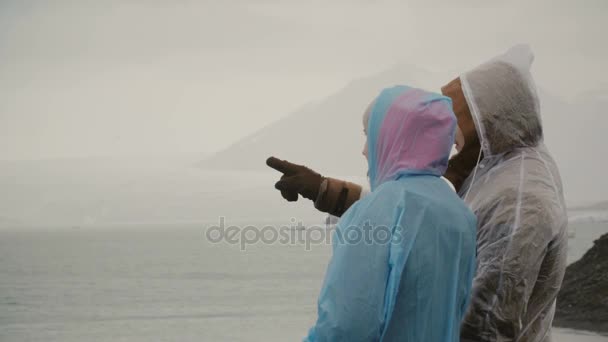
410 131
503 101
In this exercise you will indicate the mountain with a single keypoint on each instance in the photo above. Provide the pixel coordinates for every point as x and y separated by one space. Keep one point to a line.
327 136
235 183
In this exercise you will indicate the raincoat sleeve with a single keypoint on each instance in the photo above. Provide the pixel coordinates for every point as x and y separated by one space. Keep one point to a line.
511 249
351 302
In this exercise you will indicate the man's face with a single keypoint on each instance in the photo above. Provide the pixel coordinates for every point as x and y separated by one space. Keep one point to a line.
462 164
453 90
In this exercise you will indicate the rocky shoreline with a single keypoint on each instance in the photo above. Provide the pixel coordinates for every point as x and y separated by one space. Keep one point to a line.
583 300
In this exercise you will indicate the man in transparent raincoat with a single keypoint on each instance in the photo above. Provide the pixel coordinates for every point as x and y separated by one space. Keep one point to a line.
508 178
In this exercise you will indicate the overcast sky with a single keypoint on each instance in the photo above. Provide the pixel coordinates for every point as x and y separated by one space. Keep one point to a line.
127 78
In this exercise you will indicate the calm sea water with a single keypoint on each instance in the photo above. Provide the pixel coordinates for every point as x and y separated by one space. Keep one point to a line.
167 284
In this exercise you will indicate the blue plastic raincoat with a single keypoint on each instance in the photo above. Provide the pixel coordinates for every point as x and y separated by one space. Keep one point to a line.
404 255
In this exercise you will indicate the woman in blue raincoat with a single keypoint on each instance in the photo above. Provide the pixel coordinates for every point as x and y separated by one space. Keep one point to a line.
404 255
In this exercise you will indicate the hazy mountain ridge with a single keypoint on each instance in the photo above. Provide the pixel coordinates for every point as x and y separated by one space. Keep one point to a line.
328 136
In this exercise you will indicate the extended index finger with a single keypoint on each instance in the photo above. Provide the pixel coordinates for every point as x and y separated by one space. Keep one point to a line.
280 165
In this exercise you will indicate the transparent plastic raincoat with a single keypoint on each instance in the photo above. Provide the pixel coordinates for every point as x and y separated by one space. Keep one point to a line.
516 193
404 255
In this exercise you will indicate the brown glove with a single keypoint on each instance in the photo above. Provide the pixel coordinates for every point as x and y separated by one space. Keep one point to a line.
296 179
330 195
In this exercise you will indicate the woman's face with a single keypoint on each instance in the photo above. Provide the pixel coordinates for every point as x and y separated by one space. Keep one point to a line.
365 122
